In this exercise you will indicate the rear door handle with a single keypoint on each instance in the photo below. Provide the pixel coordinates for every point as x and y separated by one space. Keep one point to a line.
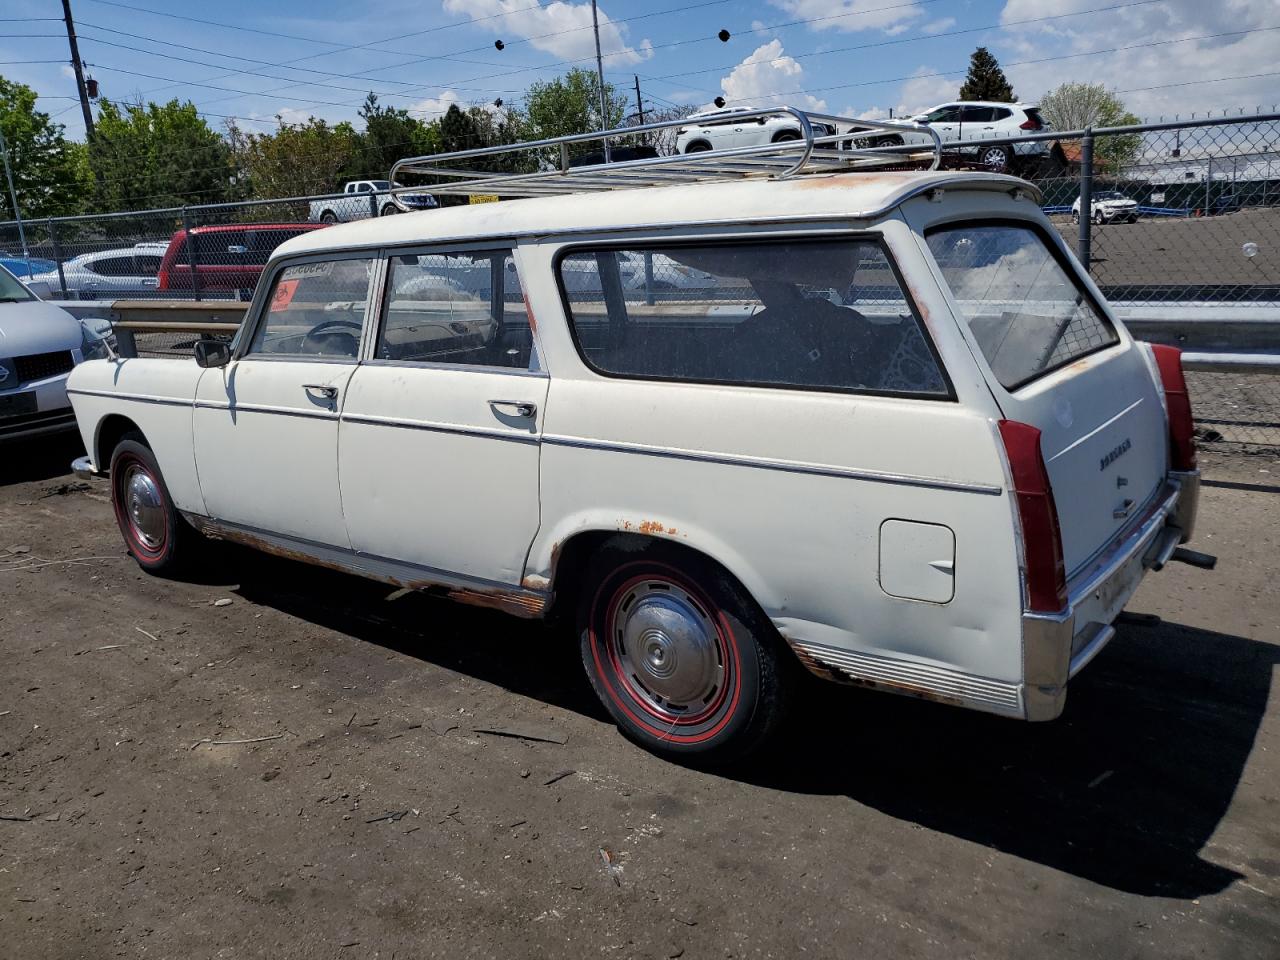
321 389
521 408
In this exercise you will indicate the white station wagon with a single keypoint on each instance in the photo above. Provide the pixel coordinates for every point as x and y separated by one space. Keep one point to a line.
903 442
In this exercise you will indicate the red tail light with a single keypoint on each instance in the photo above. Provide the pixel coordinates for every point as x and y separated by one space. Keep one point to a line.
1182 441
1029 124
1038 514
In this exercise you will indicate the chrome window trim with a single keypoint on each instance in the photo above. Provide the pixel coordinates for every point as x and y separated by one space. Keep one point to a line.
478 368
138 397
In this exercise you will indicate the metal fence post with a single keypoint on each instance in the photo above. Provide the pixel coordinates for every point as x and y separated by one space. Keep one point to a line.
373 204
1208 188
1085 248
193 257
648 278
57 255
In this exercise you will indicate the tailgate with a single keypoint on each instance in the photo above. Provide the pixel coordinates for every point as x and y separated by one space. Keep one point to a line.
1054 359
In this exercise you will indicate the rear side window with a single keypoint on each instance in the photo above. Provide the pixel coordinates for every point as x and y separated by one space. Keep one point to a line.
819 315
1028 312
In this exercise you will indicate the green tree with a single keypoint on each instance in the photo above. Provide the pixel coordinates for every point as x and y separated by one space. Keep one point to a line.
295 160
986 81
158 155
570 104
1074 106
50 174
389 134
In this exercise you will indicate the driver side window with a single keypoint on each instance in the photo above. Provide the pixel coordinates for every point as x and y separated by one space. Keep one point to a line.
315 310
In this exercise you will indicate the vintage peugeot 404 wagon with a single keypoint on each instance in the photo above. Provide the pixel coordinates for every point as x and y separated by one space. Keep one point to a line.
893 433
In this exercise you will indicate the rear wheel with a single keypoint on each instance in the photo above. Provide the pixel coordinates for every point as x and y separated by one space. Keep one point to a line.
678 653
700 147
159 539
995 159
328 217
786 136
390 209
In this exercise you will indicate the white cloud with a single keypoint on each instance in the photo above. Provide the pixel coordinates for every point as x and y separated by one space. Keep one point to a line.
433 107
290 116
1152 80
925 90
938 26
850 16
68 71
769 77
561 27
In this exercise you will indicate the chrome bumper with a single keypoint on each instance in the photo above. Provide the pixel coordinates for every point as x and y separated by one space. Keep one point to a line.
1055 647
83 468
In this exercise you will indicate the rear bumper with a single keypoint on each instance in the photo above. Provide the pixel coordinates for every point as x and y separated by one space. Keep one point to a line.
1057 646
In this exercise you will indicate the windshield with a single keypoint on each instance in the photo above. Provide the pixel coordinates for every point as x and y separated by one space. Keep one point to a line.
1109 195
11 290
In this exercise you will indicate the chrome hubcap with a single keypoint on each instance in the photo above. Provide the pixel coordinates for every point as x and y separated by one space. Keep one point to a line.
144 507
668 647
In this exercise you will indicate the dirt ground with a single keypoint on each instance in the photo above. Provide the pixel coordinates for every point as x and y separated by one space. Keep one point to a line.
370 816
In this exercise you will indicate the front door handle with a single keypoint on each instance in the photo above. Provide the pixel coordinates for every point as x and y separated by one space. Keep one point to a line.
321 389
521 408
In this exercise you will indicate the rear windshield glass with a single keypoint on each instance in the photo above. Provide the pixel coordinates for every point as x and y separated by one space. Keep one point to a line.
822 315
1029 314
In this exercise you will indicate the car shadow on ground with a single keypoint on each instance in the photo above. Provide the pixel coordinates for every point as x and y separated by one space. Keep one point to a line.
39 458
1123 790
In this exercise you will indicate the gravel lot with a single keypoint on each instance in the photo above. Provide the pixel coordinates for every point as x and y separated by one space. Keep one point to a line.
372 818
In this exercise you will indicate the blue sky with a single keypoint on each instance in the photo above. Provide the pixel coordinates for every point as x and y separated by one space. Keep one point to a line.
258 60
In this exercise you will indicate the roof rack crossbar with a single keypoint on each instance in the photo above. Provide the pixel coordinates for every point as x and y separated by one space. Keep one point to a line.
549 170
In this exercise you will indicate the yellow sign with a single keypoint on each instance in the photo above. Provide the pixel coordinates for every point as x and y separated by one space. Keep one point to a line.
484 198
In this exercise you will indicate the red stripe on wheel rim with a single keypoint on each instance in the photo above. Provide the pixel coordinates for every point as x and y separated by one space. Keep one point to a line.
120 470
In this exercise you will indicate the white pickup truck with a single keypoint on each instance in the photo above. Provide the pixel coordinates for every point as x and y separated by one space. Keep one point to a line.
362 199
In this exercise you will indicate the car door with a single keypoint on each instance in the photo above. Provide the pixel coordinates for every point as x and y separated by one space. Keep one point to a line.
945 120
439 439
976 123
266 425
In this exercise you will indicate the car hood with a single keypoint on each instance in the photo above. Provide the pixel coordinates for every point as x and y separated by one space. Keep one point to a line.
1116 203
36 327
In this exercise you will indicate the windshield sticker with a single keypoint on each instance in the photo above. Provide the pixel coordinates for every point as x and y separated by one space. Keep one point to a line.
283 296
307 270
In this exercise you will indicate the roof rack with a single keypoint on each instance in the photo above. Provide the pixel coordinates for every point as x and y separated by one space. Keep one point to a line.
542 167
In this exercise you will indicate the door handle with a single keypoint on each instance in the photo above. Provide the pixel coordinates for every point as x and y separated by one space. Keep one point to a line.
522 408
323 389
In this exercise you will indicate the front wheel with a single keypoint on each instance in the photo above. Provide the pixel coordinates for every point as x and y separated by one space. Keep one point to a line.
159 539
680 656
1097 218
1075 217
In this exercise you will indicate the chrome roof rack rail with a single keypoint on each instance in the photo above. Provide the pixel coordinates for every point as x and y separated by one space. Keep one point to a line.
543 167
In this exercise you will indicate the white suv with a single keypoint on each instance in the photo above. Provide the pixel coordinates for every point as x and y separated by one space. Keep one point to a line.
970 122
726 129
1108 206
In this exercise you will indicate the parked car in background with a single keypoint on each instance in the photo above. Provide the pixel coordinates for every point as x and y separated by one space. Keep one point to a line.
25 267
114 274
726 129
39 345
362 199
917 453
223 259
1108 206
972 122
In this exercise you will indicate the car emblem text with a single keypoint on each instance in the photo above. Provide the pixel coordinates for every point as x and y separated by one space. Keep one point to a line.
1115 454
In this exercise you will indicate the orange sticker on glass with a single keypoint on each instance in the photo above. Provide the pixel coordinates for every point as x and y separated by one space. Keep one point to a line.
283 296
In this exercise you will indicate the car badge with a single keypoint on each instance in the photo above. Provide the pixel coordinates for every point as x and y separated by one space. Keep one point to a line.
4 373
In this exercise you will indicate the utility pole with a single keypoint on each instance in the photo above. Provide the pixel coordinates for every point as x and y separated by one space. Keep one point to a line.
639 102
79 69
604 110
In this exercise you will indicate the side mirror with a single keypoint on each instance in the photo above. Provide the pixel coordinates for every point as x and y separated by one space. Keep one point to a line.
212 353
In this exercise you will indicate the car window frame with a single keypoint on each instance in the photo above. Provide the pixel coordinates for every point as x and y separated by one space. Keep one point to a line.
488 245
1065 263
260 307
659 244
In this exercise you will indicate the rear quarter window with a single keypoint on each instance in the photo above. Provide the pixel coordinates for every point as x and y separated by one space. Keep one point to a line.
1027 309
825 315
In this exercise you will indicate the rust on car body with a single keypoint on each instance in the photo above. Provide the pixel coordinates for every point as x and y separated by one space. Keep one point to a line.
513 601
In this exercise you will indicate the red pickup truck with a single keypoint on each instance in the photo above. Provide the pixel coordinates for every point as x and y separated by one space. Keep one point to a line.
229 257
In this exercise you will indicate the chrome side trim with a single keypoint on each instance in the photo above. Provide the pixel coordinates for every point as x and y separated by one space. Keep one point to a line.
519 601
406 424
139 397
789 466
265 408
911 679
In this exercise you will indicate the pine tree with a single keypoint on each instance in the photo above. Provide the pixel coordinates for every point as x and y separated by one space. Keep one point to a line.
986 81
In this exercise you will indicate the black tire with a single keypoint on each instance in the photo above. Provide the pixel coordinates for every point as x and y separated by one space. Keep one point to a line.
995 159
389 210
158 538
328 217
698 146
1075 217
1097 219
712 682
786 136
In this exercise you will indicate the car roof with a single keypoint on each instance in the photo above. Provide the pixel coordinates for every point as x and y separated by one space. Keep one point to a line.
979 103
227 227
848 196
